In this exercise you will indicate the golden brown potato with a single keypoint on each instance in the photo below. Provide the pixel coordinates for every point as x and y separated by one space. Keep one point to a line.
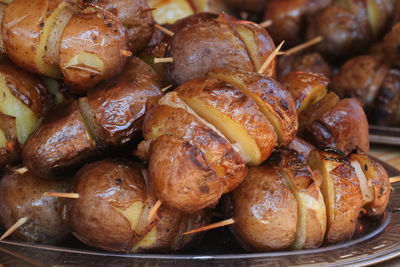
344 127
341 191
171 116
94 52
236 115
273 100
386 107
203 44
183 177
21 195
360 77
391 44
289 18
311 219
28 37
60 144
135 15
305 87
114 111
264 210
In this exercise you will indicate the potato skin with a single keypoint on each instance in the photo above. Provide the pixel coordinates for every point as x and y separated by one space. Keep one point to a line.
182 176
164 119
301 146
205 43
21 195
344 127
60 144
104 36
135 15
265 211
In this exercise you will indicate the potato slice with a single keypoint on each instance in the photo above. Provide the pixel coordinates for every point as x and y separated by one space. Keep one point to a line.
172 116
274 102
311 219
169 11
305 87
341 190
234 114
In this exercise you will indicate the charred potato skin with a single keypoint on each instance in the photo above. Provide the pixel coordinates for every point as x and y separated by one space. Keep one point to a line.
60 144
164 119
264 185
101 30
135 15
206 42
182 176
22 196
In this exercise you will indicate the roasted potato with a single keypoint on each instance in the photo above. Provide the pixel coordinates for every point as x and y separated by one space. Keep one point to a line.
113 207
341 191
305 87
135 15
172 116
391 44
265 211
233 113
183 177
21 195
273 100
61 143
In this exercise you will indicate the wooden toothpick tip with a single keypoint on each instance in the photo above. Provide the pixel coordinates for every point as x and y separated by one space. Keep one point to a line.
211 226
166 88
270 58
266 24
61 194
164 30
158 60
14 227
394 179
153 210
303 46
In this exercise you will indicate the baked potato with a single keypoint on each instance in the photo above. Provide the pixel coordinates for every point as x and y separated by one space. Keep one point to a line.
341 191
113 207
21 195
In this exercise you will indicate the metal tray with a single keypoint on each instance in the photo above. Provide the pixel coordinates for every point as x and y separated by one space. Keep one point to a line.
374 242
384 135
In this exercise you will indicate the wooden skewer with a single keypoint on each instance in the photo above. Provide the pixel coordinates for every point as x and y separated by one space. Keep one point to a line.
164 30
394 179
211 226
60 194
158 60
302 46
14 227
166 88
153 210
266 24
270 58
126 53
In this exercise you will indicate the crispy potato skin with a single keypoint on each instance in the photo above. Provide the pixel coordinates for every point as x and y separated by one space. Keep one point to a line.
60 144
360 77
21 30
135 15
163 119
234 104
344 127
101 31
21 195
386 106
205 43
182 176
265 211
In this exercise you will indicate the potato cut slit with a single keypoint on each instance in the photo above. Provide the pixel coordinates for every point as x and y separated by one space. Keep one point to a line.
366 191
251 44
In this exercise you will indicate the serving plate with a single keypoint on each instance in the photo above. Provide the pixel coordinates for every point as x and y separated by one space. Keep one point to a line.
384 135
374 242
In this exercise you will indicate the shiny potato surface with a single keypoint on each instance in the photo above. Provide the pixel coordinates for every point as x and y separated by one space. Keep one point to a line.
21 195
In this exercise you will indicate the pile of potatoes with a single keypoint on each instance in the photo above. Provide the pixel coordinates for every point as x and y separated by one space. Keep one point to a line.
149 150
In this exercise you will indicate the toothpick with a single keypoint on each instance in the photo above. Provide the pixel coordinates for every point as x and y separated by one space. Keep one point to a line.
153 210
60 194
270 58
158 60
166 88
14 227
211 226
394 179
126 53
266 24
303 46
164 30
